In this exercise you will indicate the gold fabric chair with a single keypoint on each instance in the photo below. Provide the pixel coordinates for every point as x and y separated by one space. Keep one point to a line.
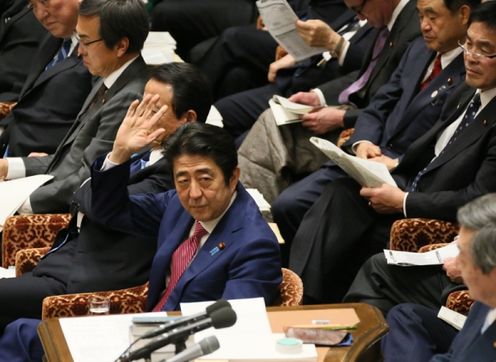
132 300
422 235
29 231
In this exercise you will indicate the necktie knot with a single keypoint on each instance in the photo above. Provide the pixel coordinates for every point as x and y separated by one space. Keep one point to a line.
62 53
199 231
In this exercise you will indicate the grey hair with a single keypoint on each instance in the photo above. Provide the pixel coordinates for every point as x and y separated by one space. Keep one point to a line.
479 216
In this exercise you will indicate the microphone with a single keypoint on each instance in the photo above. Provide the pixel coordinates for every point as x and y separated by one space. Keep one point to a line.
205 346
189 319
222 318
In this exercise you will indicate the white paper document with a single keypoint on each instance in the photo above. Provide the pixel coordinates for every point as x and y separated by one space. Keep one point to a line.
7 272
262 204
455 319
433 257
366 173
159 48
13 193
250 338
100 338
280 19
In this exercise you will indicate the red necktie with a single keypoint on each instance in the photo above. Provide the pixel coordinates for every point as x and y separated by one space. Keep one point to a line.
181 258
436 69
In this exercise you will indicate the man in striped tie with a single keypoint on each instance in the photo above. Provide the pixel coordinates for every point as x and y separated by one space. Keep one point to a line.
212 240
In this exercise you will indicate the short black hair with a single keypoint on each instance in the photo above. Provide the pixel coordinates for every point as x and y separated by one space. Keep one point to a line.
119 19
454 5
485 13
190 88
205 140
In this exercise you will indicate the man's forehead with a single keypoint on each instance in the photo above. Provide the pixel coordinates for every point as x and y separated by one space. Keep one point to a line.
193 163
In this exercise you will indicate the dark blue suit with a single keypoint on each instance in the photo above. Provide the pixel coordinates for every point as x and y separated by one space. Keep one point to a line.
246 265
397 115
416 334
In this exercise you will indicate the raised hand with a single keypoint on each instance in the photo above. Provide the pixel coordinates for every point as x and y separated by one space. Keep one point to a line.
139 128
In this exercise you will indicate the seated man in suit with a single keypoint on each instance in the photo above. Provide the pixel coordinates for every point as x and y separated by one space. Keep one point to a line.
111 35
20 35
89 256
403 109
212 240
415 332
56 86
448 166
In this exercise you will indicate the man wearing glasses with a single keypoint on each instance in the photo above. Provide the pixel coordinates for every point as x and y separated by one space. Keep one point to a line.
111 34
47 103
451 164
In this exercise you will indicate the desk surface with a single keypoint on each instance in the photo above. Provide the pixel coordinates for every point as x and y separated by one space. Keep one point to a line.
371 328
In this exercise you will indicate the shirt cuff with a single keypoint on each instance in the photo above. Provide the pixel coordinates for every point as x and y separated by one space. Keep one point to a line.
319 94
107 164
25 207
404 204
355 145
16 168
344 50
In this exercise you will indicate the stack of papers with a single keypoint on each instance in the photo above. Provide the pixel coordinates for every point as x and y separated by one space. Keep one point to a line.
159 48
287 112
262 204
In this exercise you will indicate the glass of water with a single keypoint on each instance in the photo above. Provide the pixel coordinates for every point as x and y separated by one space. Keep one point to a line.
99 305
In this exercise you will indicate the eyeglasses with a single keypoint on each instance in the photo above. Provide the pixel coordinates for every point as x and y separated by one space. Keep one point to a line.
85 43
476 54
358 9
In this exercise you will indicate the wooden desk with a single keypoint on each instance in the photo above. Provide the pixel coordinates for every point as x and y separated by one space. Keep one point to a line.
370 329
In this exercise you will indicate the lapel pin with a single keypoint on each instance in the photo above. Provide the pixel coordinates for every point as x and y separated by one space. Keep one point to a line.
221 245
494 344
434 94
450 81
484 122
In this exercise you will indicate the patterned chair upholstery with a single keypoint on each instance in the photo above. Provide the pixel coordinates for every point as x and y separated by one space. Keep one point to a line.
6 108
27 259
132 300
29 231
129 300
424 235
412 234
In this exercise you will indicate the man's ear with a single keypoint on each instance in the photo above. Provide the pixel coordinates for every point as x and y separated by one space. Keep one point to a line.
122 46
190 116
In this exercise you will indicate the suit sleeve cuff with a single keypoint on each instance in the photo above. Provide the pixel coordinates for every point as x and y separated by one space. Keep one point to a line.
16 168
319 94
404 204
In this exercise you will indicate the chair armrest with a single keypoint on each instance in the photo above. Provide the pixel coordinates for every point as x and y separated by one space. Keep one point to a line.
430 247
29 231
6 108
459 301
27 259
291 289
129 300
344 136
412 234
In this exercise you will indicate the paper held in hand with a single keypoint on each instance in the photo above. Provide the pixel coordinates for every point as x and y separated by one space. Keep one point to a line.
13 193
280 21
433 257
287 112
366 173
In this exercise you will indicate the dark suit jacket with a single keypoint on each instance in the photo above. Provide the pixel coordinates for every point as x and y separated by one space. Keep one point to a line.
20 35
100 258
469 344
464 171
91 135
405 29
247 266
49 102
398 114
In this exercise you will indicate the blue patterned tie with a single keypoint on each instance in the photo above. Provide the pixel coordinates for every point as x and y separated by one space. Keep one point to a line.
61 54
468 118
